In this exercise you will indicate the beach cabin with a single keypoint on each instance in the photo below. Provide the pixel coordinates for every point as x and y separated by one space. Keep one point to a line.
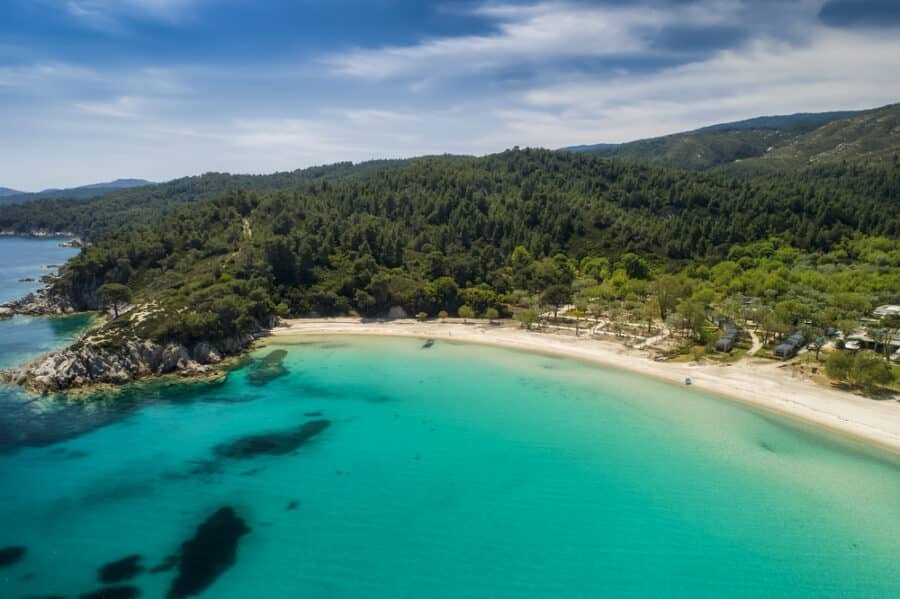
790 346
726 343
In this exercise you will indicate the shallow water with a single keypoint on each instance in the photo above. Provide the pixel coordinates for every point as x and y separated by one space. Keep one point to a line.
452 471
28 258
24 419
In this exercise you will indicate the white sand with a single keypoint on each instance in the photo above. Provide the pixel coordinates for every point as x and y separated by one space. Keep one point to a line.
763 385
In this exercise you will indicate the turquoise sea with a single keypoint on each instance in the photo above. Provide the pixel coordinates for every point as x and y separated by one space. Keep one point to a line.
383 468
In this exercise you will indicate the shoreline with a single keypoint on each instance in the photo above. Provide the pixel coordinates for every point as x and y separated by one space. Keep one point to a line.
763 386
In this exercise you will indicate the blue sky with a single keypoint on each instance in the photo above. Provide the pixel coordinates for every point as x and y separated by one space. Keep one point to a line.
98 89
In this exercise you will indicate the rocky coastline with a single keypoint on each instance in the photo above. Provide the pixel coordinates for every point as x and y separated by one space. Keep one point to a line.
90 364
39 303
107 355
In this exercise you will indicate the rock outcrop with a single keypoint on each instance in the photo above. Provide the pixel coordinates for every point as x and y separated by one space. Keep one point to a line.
39 303
87 364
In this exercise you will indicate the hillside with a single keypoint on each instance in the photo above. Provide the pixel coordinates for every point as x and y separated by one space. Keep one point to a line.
768 143
472 236
363 242
872 137
84 191
6 191
93 216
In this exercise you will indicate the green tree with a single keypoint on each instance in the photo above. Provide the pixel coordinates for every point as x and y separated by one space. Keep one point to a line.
838 365
522 265
113 295
693 318
492 314
556 296
668 290
527 317
443 293
466 312
865 370
870 372
635 266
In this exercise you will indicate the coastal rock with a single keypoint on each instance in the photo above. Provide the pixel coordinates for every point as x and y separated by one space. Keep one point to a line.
92 363
174 357
39 303
204 353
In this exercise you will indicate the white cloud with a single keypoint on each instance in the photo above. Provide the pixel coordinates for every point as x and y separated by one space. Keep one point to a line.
834 69
38 76
162 122
123 107
108 15
539 32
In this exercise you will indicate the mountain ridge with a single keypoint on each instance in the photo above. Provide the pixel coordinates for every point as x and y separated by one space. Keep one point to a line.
723 146
12 196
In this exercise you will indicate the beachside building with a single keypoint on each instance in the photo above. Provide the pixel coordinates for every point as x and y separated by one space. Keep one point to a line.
790 346
863 340
726 343
886 310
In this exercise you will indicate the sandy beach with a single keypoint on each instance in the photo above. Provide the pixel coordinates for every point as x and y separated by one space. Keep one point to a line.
760 384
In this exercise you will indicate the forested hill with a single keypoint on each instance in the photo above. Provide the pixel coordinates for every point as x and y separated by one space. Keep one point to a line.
11 196
871 137
6 192
93 216
410 234
770 143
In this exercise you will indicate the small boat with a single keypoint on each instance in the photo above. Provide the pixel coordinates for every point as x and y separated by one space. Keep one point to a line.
687 380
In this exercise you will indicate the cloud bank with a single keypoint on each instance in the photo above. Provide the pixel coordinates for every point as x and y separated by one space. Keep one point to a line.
530 74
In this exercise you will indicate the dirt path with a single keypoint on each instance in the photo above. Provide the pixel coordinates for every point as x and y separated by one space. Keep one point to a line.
757 344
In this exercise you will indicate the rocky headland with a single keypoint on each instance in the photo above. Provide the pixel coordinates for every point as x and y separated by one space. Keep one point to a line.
94 361
115 352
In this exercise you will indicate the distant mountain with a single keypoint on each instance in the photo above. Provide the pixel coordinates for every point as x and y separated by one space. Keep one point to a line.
92 214
85 191
784 141
6 191
870 137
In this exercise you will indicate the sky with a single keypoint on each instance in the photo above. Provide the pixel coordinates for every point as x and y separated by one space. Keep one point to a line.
93 90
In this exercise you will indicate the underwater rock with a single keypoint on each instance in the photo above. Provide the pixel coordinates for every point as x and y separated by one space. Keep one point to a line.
276 356
767 447
114 593
276 443
268 368
11 555
211 551
119 570
167 564
293 505
205 468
